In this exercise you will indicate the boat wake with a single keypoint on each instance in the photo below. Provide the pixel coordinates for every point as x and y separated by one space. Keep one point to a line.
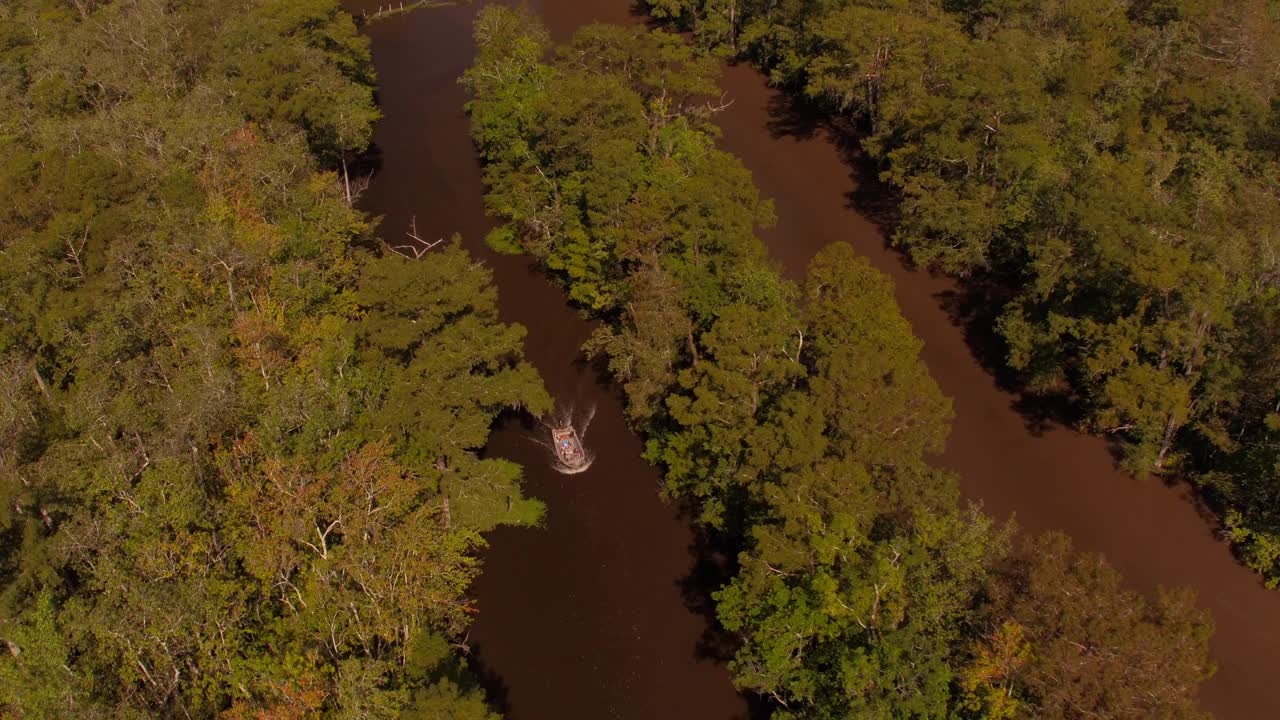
579 424
565 469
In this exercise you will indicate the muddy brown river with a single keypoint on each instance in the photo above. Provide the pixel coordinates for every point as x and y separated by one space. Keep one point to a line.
599 614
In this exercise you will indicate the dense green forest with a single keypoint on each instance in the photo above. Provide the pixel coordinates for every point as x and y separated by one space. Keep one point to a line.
239 467
237 474
1111 164
795 418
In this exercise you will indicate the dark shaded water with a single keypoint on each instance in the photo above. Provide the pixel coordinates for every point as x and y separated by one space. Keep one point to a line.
594 616
589 616
1010 456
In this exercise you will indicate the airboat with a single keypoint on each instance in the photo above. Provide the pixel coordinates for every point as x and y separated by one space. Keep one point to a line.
568 447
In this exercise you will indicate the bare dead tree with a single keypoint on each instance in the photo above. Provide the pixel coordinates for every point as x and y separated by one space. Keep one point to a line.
464 645
346 179
419 248
713 107
392 9
44 389
74 251
357 186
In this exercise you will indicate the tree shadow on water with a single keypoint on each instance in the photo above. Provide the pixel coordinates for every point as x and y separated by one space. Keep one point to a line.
972 303
450 675
714 563
796 117
497 692
712 568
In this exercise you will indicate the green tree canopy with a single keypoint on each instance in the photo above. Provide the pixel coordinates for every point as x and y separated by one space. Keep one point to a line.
225 492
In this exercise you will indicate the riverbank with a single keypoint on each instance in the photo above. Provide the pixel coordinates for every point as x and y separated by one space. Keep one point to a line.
586 618
597 614
1048 476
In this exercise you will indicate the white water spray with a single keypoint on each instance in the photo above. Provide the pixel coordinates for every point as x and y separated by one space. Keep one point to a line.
566 418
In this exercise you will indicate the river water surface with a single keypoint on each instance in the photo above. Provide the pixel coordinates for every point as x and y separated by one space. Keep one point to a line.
1014 462
586 618
594 616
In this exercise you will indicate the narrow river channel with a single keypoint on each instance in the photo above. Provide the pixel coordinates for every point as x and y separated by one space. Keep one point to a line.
1013 462
594 615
